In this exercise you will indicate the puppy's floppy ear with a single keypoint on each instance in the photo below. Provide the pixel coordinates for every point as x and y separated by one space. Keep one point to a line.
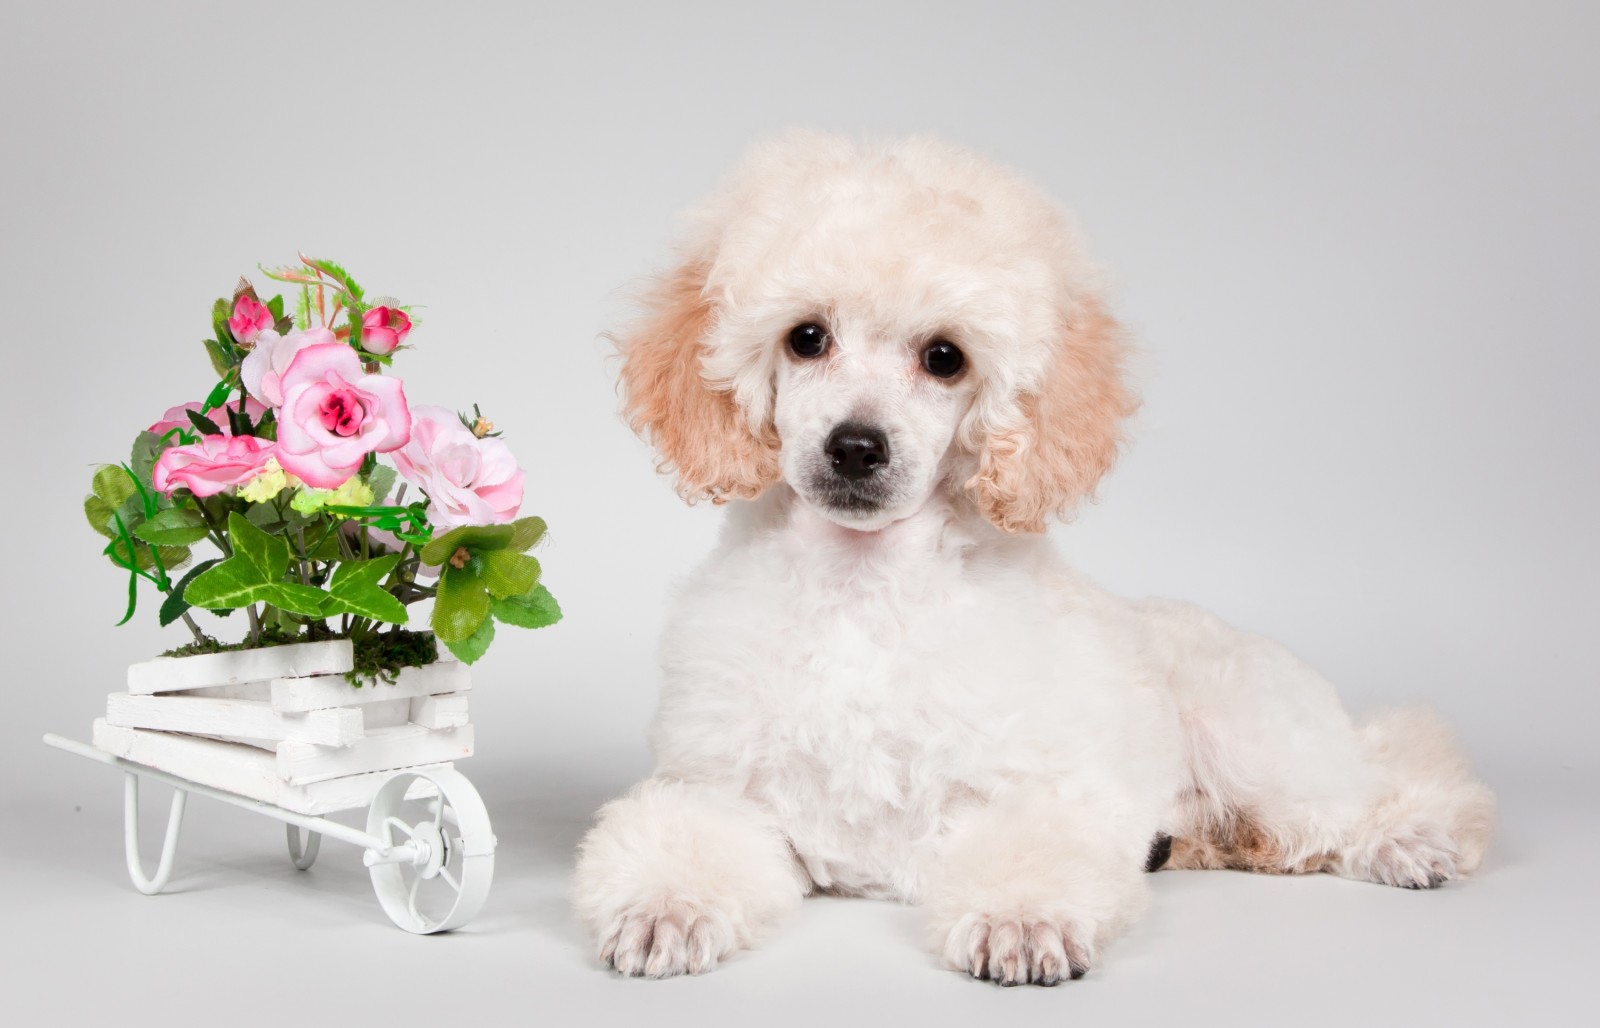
698 428
1064 434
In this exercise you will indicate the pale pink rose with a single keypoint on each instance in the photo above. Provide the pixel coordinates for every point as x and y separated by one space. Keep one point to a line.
469 481
176 418
263 367
383 329
334 414
214 464
250 319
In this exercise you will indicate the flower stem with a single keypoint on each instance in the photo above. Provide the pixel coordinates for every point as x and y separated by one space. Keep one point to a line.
199 636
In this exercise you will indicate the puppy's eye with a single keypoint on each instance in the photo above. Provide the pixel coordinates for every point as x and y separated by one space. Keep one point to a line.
942 359
808 340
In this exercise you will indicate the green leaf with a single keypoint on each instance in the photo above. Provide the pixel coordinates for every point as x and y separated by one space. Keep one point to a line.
221 356
461 606
142 456
381 480
473 537
356 589
534 609
525 532
133 598
508 574
275 307
295 598
173 607
99 514
112 484
221 311
334 272
173 527
258 564
473 647
203 424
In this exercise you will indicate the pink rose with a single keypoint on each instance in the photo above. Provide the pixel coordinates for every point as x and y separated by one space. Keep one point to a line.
263 367
176 418
469 481
383 329
334 414
215 463
250 319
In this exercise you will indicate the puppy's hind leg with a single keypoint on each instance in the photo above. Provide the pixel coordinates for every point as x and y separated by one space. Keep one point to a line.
1282 782
1432 821
676 876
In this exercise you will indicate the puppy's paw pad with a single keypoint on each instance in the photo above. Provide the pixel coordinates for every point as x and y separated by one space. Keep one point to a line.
1019 949
667 938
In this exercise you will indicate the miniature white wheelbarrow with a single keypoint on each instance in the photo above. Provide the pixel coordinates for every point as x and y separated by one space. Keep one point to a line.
428 844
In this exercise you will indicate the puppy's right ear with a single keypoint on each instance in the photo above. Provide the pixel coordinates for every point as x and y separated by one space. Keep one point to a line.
697 427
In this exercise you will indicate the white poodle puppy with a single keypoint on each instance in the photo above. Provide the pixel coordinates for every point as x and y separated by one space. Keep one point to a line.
884 681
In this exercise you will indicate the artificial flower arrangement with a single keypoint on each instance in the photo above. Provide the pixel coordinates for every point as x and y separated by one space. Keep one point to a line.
279 469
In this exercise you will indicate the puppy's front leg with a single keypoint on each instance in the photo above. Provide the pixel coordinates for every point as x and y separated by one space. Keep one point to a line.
1029 888
676 876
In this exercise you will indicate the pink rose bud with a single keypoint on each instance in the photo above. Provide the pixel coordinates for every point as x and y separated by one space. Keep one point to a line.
250 319
383 329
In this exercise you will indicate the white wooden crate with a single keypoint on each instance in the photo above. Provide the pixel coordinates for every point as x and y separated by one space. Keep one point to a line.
265 723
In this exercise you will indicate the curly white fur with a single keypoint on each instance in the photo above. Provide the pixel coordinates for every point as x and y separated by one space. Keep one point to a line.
904 696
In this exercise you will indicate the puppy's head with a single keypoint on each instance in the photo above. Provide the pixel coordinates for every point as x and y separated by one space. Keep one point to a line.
873 323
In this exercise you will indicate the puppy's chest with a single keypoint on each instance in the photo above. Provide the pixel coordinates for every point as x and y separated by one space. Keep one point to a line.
869 731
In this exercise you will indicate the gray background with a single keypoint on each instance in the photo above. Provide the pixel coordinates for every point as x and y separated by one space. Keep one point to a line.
1356 243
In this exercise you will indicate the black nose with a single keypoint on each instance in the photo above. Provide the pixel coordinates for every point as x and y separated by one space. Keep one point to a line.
856 451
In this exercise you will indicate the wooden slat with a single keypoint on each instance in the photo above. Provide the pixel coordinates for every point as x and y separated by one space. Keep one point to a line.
239 769
252 719
302 763
297 694
174 674
447 711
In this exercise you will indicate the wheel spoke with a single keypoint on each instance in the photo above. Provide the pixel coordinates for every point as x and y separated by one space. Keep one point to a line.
397 823
438 812
411 900
444 873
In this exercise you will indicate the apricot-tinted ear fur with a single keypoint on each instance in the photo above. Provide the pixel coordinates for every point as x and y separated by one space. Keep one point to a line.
1067 432
698 428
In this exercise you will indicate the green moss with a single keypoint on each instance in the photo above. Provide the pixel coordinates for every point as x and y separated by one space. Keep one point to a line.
269 637
381 656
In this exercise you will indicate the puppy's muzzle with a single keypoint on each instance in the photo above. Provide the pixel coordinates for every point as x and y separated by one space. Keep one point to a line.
856 452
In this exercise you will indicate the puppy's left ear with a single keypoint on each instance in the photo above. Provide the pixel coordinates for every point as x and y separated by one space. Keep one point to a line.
1064 434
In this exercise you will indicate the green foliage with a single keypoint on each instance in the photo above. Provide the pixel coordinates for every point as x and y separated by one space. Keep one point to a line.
474 646
460 607
254 574
299 555
381 479
504 573
356 588
534 609
173 527
174 606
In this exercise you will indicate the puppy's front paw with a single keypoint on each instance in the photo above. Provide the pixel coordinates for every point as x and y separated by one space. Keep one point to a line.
1019 949
663 939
